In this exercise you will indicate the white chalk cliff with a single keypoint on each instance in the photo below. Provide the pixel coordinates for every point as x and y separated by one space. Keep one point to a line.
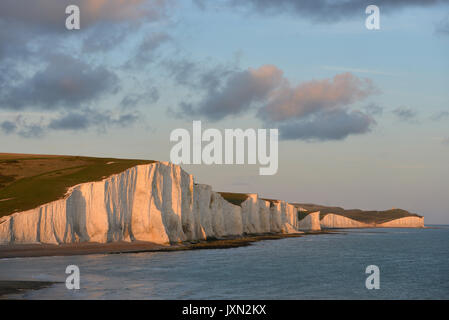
333 221
406 222
157 202
311 222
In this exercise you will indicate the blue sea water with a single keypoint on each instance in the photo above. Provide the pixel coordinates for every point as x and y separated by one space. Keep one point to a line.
413 263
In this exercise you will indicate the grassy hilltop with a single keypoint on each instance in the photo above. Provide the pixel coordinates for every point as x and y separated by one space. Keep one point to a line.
28 181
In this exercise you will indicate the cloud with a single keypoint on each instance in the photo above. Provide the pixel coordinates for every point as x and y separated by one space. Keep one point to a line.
182 71
8 127
324 10
199 75
146 51
327 125
88 118
64 82
314 96
315 110
374 109
320 110
43 67
22 127
104 24
240 91
105 37
71 121
405 113
13 41
440 116
51 14
132 100
79 120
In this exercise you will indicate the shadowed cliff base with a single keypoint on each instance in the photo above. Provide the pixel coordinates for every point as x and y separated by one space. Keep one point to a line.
86 248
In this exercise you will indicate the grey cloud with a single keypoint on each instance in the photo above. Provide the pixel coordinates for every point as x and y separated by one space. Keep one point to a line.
32 131
213 78
328 125
22 127
64 82
8 127
327 11
154 40
105 36
83 119
147 49
404 113
199 75
71 121
88 118
104 24
183 71
33 37
13 41
374 109
133 100
240 91
316 110
440 116
51 14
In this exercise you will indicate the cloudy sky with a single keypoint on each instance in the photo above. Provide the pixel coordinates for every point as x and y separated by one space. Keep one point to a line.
363 115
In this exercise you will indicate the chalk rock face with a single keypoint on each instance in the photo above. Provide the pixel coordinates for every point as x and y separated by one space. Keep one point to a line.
311 222
331 220
157 202
406 222
337 221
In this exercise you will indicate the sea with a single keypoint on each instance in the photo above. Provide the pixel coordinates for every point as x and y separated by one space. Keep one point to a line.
411 264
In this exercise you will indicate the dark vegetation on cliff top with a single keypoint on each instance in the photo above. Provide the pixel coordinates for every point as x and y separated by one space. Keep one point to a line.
28 181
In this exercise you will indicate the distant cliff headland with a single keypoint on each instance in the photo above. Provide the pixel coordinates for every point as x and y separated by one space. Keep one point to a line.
337 217
70 199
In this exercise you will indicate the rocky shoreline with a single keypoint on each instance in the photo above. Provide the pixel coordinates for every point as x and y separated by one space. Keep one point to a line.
42 250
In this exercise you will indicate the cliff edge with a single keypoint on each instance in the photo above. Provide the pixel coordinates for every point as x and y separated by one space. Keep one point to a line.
157 202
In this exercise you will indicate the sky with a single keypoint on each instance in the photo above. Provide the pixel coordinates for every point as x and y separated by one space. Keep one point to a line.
363 115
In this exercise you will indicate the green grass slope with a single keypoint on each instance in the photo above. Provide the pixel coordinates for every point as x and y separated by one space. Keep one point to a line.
28 181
